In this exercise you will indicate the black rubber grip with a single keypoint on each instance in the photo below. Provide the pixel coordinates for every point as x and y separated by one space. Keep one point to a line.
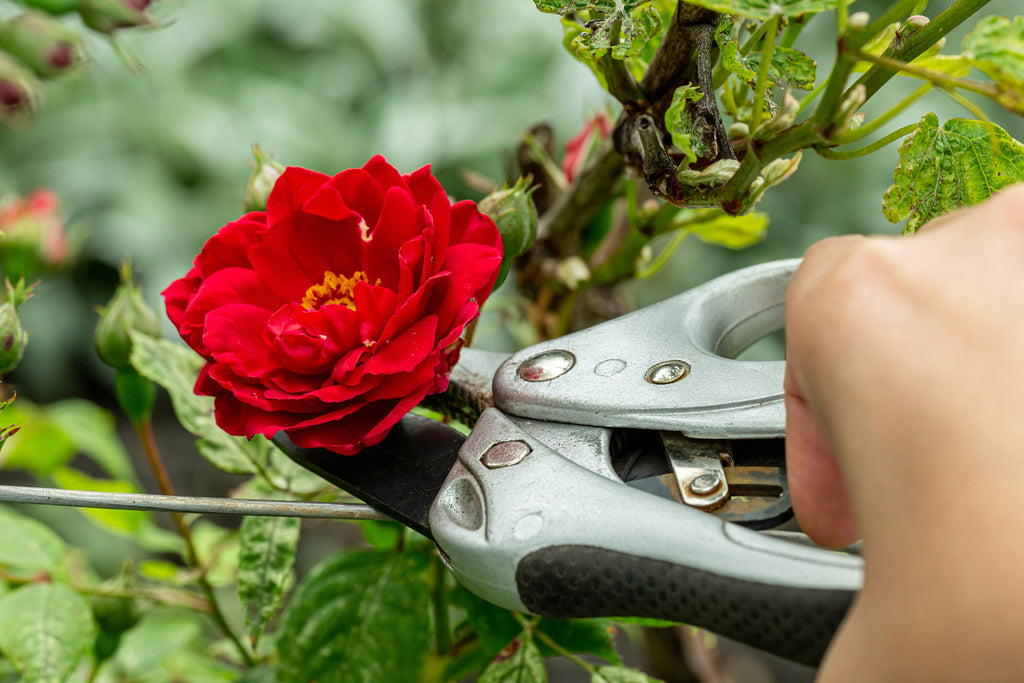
584 581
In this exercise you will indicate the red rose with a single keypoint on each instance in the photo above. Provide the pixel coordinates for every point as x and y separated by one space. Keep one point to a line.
334 312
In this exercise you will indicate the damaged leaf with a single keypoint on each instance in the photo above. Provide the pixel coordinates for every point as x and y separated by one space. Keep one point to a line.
961 164
623 26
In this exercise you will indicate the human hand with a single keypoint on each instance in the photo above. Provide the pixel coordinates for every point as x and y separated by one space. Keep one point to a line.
905 418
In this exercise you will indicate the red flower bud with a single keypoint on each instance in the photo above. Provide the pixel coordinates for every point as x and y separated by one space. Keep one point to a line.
41 43
335 311
34 235
580 146
19 90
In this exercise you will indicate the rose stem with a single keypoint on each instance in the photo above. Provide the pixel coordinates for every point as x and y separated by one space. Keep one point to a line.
144 429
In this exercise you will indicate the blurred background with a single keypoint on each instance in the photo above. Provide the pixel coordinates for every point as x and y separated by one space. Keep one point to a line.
151 161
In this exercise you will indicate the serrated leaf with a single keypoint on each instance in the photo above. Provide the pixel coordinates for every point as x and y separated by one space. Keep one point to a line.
624 27
265 558
524 665
766 9
734 232
961 164
123 522
679 123
732 60
789 67
175 368
44 631
996 48
618 674
358 616
26 544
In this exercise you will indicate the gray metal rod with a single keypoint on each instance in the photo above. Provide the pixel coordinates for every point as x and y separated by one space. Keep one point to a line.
157 503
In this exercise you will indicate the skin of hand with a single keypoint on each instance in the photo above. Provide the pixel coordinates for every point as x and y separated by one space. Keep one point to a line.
905 427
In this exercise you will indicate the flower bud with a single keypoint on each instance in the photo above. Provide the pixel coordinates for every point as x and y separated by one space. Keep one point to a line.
572 272
13 336
914 23
41 43
859 20
19 90
779 169
34 235
107 16
783 119
579 148
849 106
126 312
513 211
265 173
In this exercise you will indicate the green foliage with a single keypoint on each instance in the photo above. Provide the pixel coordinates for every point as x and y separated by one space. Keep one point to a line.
267 552
788 67
358 616
28 545
940 169
610 674
679 122
522 665
45 629
766 9
994 48
624 26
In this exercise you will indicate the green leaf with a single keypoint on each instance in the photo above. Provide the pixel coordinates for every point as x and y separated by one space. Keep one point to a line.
265 558
624 27
158 635
592 636
44 630
732 60
122 522
27 544
788 67
218 551
175 368
381 535
523 665
996 48
680 124
961 164
618 674
358 616
734 232
766 9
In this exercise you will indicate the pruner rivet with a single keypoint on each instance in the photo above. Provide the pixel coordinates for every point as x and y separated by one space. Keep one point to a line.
667 372
705 484
505 453
547 366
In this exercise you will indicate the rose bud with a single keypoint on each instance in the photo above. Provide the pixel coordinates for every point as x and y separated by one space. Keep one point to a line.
334 312
126 312
107 16
265 173
581 145
13 336
19 90
41 43
513 211
34 235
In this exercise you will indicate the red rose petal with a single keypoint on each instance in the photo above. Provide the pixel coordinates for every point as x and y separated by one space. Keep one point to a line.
226 326
230 246
291 191
360 192
385 174
405 351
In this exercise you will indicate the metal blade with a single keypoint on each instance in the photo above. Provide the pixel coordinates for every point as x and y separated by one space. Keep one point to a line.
400 476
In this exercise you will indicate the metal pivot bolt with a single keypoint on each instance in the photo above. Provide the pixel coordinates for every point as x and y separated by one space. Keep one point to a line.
667 372
547 366
505 453
705 484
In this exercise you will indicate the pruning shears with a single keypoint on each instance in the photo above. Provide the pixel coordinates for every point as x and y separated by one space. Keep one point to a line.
623 470
633 469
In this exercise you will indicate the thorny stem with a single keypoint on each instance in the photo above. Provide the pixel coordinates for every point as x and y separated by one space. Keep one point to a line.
145 431
829 153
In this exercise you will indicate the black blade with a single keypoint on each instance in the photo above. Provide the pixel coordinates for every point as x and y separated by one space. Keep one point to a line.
400 476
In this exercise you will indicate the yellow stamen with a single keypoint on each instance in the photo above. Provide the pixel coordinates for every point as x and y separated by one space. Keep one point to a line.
335 289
